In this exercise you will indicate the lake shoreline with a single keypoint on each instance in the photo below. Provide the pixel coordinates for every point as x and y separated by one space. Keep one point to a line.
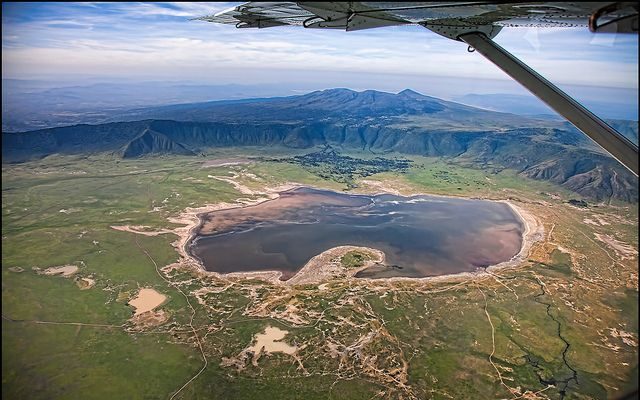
194 219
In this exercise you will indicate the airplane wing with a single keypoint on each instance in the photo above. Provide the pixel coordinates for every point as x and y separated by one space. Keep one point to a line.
475 23
351 16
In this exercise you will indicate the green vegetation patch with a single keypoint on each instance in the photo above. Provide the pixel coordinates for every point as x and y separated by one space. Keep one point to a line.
76 362
354 259
330 165
59 210
560 263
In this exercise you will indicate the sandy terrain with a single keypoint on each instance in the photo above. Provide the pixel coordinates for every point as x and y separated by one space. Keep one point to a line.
146 300
234 180
65 270
149 319
236 185
623 250
269 341
381 186
85 283
327 265
140 229
265 342
596 220
223 162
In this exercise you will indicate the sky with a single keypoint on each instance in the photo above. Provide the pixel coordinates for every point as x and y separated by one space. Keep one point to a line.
76 43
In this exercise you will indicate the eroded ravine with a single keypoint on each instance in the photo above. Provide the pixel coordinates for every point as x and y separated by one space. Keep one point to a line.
562 384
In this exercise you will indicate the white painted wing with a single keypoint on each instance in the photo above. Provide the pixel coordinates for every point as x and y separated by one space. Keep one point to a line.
352 16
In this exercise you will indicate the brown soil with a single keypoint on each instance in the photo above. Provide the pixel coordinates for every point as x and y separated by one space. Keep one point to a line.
65 270
146 300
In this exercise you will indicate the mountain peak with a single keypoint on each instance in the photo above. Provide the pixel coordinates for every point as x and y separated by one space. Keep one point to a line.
152 142
409 92
335 91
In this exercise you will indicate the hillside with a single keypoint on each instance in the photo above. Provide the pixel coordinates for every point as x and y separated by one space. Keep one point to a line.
151 142
379 122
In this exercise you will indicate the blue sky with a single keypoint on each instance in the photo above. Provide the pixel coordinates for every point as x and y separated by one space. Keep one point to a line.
81 42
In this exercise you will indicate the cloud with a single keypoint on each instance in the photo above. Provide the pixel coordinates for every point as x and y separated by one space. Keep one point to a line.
121 40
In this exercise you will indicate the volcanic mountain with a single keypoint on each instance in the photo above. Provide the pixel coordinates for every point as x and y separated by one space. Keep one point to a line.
380 122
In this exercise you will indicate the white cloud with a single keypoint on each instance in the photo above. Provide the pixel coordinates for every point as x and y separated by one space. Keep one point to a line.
159 40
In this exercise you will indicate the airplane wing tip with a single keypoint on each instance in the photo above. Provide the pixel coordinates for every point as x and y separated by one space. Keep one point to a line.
217 18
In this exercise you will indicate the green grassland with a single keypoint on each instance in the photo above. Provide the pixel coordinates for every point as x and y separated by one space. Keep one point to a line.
562 325
354 259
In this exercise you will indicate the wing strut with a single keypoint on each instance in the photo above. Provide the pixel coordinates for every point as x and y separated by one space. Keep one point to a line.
621 148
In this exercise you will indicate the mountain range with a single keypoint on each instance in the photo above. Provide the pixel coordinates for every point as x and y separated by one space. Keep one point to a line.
380 122
31 104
